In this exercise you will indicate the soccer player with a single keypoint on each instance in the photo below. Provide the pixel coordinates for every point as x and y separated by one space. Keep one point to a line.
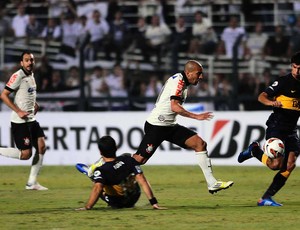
284 96
161 125
26 130
117 180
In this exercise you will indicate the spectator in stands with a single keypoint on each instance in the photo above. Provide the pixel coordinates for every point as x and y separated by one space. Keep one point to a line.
204 39
246 90
5 29
179 40
204 89
223 90
83 34
44 72
139 38
69 36
34 28
278 45
187 9
58 8
231 35
98 29
112 7
157 35
256 41
57 81
118 36
148 8
20 22
154 87
137 95
117 85
72 78
262 82
52 31
295 35
98 89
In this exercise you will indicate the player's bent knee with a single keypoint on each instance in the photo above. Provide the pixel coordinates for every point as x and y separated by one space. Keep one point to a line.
25 155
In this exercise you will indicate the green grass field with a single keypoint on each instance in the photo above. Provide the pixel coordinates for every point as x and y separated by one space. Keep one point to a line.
179 188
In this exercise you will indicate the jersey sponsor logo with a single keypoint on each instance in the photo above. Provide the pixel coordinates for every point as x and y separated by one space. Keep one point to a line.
31 90
26 141
12 79
179 89
118 164
289 102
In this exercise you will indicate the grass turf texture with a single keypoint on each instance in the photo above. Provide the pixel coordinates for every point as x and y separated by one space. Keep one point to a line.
181 189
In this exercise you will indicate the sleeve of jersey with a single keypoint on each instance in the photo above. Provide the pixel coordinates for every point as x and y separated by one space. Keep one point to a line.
13 82
273 89
176 85
98 176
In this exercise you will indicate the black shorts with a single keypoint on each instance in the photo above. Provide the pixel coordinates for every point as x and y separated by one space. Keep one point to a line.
126 201
290 139
155 135
26 134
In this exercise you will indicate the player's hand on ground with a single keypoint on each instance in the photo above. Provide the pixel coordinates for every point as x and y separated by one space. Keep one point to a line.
156 206
81 209
205 116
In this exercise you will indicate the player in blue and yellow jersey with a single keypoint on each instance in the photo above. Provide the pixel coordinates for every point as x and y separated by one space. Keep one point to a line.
117 179
284 96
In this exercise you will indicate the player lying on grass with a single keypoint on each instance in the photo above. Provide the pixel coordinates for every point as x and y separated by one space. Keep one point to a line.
117 180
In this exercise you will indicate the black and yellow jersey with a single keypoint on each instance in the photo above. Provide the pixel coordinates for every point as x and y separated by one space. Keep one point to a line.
118 176
285 89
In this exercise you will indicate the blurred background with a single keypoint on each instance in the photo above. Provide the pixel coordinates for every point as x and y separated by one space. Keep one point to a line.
115 55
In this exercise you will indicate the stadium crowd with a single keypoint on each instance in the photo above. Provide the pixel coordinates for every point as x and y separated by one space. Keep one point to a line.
157 28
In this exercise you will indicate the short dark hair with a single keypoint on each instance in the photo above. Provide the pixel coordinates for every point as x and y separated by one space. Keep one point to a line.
24 52
107 146
296 58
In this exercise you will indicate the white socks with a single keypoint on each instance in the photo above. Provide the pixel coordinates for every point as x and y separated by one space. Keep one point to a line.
35 168
10 152
205 165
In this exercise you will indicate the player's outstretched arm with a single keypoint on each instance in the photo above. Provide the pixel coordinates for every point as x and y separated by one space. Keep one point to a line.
178 108
141 179
94 196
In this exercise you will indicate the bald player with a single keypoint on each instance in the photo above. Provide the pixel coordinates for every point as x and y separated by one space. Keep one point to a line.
161 125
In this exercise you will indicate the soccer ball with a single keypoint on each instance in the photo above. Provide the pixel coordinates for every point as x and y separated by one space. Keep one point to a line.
274 147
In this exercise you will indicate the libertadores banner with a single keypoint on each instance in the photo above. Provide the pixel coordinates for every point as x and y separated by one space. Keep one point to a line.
71 137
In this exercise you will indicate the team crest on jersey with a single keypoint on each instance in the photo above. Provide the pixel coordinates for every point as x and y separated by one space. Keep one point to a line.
161 118
26 141
149 148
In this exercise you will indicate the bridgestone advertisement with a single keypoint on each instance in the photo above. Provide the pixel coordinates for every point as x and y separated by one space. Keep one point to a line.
71 137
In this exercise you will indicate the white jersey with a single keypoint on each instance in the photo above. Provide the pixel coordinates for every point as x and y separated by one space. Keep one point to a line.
175 87
24 87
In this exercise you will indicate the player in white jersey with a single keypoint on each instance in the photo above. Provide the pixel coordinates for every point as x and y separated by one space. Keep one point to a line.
161 125
26 130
